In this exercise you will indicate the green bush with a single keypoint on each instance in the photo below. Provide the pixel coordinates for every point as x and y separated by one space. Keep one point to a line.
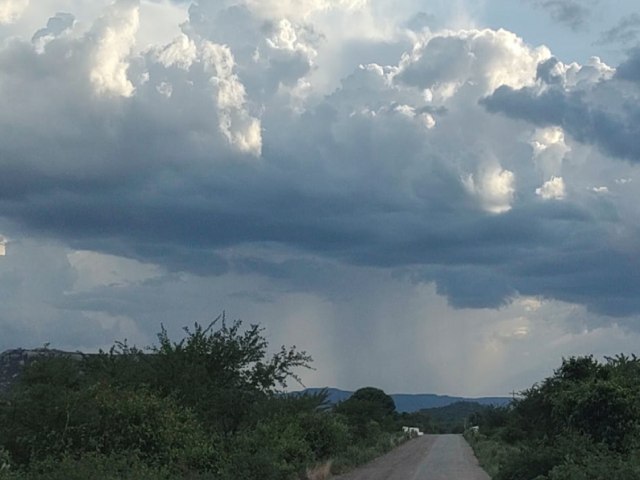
49 421
583 422
158 429
603 469
91 465
491 453
365 450
205 407
529 462
368 406
274 450
48 412
325 434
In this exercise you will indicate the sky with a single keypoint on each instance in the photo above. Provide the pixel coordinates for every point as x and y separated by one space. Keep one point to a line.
426 196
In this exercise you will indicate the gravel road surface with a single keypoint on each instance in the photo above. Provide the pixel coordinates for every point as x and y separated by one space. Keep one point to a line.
430 457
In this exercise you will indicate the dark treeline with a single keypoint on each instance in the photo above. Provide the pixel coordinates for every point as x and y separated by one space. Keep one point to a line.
209 406
582 423
455 417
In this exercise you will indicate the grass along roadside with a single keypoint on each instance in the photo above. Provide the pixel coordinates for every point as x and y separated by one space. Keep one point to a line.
356 455
491 454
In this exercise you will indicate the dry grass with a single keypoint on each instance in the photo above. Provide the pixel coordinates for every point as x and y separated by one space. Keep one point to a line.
320 472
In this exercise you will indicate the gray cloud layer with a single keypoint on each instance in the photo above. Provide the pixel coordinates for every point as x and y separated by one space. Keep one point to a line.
573 13
626 32
217 140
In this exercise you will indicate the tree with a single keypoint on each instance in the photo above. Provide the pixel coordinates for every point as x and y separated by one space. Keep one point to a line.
222 372
375 397
177 404
368 405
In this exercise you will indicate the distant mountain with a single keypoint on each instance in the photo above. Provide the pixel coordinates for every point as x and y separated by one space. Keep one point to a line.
409 403
334 395
414 402
13 361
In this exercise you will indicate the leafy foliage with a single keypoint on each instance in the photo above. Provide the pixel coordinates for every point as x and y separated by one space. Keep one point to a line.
209 406
583 422
368 410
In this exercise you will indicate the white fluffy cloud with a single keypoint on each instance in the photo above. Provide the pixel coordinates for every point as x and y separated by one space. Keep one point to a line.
480 60
549 150
552 189
494 187
182 52
236 124
114 36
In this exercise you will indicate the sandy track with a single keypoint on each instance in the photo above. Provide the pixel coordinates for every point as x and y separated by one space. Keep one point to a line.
431 457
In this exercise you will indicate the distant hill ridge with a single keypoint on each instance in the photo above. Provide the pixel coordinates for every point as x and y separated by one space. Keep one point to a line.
409 402
13 361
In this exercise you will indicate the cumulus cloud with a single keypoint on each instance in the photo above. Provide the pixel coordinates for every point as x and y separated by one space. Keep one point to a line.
552 189
549 149
395 168
478 59
236 124
114 35
182 52
494 188
585 101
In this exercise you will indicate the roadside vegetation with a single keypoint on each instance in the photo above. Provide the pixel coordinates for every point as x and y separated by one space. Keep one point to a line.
582 423
208 406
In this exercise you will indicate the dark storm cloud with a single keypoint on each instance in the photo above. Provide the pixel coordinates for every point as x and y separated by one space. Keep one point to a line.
614 132
477 261
394 170
539 252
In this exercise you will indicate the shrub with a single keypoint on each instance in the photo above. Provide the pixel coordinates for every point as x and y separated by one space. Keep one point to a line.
491 453
597 467
325 434
91 465
529 462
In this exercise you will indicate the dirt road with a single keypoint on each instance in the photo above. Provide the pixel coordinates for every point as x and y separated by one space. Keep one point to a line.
431 457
